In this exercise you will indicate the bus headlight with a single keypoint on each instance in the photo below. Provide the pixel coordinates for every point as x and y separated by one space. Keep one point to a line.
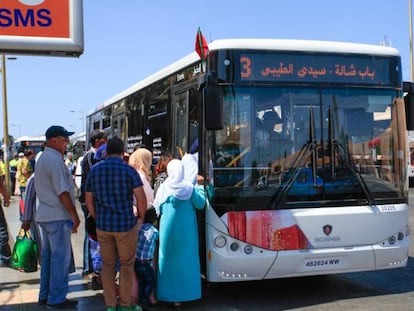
220 241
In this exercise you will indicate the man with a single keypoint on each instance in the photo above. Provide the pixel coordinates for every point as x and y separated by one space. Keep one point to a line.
109 192
57 217
13 170
70 163
5 252
271 144
97 138
25 170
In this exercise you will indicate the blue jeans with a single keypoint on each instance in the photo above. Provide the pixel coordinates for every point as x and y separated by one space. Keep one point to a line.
146 279
56 259
5 252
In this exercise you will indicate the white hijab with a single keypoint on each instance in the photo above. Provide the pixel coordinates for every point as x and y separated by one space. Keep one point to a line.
174 185
190 163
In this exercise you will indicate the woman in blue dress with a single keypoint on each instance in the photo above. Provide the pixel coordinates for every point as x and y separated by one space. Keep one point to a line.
178 259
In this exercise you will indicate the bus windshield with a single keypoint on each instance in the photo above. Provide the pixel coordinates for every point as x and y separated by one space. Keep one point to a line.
287 147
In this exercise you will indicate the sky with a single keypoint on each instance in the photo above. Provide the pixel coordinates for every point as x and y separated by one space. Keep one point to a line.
127 40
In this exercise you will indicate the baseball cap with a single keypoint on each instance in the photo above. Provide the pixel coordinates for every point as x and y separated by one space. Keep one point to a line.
56 130
21 154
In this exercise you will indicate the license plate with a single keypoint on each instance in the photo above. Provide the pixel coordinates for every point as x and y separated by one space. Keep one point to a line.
323 263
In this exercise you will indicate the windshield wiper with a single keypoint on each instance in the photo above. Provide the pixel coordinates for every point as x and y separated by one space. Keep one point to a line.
346 158
298 164
339 158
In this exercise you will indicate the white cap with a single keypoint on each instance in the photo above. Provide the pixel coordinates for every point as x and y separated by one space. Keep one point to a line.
21 154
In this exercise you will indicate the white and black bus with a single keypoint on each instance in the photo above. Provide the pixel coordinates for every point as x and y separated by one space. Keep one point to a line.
303 146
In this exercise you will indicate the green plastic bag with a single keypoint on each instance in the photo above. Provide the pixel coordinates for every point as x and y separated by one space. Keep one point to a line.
25 253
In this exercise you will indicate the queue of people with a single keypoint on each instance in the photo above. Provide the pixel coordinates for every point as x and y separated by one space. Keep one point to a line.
149 239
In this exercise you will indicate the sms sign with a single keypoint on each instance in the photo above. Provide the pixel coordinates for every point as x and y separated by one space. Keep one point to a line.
48 27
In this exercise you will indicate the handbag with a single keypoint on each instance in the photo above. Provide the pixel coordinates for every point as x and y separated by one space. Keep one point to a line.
25 252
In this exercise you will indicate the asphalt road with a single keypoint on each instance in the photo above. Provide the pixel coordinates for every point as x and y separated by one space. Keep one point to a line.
380 290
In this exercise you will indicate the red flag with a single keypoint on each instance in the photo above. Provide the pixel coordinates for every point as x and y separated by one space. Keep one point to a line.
201 45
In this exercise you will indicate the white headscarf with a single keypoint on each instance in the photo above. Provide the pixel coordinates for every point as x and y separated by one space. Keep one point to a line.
190 163
174 185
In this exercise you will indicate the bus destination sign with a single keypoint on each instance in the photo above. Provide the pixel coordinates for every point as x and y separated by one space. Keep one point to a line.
314 68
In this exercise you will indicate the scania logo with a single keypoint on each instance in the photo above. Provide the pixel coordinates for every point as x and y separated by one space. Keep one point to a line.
327 229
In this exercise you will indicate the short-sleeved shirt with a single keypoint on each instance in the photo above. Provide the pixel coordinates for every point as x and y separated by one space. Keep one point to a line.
52 179
13 165
24 164
112 183
87 162
147 240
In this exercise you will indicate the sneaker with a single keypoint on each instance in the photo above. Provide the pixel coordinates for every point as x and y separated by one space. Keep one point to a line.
4 264
96 283
130 308
147 306
86 275
67 304
42 302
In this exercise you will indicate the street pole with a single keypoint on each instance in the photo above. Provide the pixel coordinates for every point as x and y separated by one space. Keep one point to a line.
410 11
5 127
18 128
82 113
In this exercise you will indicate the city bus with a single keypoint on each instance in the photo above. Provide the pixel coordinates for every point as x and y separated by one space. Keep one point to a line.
23 143
303 146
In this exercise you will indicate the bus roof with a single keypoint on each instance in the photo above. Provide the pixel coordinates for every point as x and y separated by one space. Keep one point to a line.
304 46
257 44
30 138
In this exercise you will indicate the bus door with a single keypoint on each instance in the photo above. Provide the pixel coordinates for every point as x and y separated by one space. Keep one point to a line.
186 122
119 126
186 114
157 128
118 121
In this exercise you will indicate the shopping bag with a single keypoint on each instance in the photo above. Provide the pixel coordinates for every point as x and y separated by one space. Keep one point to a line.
25 252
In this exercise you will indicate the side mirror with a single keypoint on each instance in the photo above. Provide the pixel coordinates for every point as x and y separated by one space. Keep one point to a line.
213 105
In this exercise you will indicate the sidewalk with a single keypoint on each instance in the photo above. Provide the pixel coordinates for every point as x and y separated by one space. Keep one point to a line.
19 290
